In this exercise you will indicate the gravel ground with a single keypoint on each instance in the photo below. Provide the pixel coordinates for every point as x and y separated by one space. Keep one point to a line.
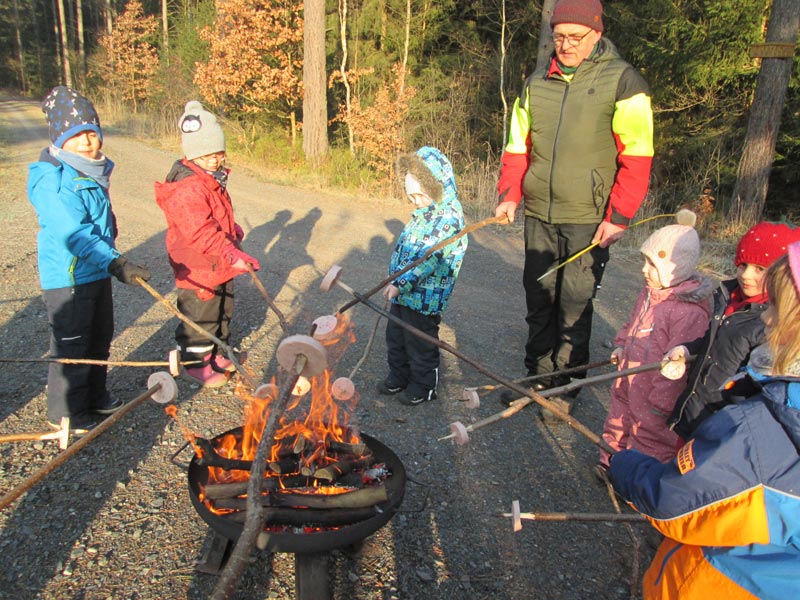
115 521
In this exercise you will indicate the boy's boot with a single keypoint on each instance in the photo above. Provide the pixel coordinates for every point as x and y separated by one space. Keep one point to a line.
205 374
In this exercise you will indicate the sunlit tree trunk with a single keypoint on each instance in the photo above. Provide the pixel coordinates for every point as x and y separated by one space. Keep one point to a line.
503 52
315 106
81 46
109 17
343 71
62 20
23 76
755 165
164 32
545 35
406 43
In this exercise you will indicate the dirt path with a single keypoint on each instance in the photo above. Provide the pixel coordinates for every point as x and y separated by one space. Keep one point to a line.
116 521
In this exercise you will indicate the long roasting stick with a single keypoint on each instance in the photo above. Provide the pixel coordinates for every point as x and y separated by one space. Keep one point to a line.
520 403
569 371
228 350
530 395
75 448
92 361
444 243
268 298
254 522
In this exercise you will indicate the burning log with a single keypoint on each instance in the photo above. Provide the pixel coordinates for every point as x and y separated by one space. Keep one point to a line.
215 491
346 448
341 467
354 499
334 517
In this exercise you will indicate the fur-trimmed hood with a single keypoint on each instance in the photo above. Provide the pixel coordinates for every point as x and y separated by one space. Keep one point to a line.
433 172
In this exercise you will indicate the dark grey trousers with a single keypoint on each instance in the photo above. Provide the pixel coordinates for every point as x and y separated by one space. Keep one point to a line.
213 315
560 306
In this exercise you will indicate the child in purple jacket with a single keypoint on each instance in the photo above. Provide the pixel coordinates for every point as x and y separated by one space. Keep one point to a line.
674 305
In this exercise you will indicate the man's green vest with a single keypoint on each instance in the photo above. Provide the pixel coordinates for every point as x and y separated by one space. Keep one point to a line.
573 155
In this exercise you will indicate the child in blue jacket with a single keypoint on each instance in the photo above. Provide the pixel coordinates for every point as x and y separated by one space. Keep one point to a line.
420 295
68 187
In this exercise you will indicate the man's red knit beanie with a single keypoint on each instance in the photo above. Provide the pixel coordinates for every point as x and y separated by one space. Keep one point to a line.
765 242
582 12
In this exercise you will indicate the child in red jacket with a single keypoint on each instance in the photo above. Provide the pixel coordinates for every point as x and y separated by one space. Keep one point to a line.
203 243
674 305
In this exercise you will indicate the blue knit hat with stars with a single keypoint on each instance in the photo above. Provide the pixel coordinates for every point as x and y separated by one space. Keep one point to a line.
68 114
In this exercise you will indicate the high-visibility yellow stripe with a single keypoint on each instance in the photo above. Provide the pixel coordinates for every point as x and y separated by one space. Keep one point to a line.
518 128
633 123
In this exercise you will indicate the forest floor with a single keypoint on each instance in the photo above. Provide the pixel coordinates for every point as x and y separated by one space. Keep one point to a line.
116 520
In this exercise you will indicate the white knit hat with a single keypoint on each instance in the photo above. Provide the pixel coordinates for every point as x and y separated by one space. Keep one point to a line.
674 249
200 132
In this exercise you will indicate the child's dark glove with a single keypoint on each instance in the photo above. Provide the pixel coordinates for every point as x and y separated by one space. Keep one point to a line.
127 272
238 231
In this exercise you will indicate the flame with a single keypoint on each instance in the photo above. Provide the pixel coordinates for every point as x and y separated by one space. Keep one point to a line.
312 420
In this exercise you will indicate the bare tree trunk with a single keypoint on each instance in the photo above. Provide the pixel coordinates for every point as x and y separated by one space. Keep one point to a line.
164 32
109 17
62 20
315 109
81 44
503 52
343 71
23 76
545 35
406 43
752 178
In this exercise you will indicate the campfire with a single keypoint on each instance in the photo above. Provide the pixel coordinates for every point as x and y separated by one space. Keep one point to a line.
322 476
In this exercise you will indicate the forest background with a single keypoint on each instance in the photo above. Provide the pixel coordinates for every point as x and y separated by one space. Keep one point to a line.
399 74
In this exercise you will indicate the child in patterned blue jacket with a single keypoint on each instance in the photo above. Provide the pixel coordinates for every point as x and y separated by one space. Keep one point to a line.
420 295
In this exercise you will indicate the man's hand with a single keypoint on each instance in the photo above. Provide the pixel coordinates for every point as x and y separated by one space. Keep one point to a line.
607 233
506 209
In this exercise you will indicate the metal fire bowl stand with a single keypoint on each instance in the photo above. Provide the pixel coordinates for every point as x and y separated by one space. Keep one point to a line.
310 549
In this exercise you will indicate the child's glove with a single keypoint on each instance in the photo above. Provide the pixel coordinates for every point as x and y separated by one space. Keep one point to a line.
616 355
239 260
127 272
239 232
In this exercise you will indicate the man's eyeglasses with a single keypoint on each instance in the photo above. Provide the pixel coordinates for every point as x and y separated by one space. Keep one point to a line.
571 40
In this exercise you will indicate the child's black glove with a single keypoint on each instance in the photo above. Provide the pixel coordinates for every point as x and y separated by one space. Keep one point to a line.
127 272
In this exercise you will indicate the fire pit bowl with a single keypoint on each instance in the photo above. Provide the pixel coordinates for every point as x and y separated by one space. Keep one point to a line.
309 542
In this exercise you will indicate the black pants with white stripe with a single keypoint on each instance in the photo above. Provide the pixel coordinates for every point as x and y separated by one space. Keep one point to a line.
413 362
81 326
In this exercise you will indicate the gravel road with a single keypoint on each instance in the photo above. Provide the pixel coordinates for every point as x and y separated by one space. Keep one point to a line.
116 522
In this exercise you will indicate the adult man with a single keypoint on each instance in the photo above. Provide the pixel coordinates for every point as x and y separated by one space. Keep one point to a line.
579 151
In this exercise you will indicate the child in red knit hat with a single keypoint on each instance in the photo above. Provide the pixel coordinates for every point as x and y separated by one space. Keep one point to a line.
735 328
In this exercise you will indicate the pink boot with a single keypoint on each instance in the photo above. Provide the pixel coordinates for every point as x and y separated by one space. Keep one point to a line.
205 375
221 364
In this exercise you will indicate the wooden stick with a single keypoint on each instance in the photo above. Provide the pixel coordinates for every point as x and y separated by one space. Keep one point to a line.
268 298
571 370
444 243
92 361
515 387
331 517
75 448
520 403
255 518
228 350
569 516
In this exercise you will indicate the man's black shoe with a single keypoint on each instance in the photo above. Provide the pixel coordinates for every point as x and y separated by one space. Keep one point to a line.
508 396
